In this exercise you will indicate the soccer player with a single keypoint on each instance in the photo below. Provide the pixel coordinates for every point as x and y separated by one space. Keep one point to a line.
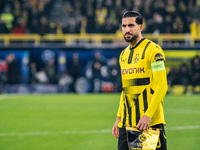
144 83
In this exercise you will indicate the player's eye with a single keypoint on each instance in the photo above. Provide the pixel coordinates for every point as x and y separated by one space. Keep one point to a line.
130 25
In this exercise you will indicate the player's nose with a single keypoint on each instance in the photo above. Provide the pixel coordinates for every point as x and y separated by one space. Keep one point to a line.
127 29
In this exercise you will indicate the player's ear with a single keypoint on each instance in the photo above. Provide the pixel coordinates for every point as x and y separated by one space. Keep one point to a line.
141 27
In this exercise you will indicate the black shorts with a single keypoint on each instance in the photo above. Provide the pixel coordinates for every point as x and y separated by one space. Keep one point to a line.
162 141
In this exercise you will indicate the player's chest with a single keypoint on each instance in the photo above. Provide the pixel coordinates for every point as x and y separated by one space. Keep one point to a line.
134 63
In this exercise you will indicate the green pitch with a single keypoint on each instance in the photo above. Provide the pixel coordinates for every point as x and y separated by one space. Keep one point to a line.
84 122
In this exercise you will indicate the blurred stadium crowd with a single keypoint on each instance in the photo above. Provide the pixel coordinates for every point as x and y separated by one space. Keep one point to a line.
96 16
186 74
99 74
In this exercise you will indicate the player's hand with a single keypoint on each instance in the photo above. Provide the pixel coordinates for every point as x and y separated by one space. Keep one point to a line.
144 123
115 129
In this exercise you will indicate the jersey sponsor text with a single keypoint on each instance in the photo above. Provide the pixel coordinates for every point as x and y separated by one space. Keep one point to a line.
132 70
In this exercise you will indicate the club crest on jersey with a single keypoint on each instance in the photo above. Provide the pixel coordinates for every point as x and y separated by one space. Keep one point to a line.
136 58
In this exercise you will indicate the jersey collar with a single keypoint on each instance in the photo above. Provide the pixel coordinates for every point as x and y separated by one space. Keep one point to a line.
131 48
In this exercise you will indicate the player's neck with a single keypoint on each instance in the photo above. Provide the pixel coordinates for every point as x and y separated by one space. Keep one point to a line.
134 43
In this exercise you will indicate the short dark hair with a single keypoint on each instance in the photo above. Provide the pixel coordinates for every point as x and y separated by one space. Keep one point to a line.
139 19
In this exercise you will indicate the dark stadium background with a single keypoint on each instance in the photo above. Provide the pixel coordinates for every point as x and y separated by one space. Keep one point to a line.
72 106
41 30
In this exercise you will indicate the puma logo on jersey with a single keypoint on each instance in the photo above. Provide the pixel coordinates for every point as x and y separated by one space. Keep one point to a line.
132 70
124 60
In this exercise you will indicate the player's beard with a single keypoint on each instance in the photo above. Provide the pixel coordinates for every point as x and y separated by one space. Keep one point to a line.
134 37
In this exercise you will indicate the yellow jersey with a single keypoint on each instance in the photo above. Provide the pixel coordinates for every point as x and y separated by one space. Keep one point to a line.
141 75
